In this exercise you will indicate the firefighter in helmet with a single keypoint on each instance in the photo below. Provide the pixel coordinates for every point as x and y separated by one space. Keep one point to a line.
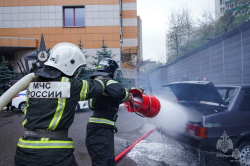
101 126
51 102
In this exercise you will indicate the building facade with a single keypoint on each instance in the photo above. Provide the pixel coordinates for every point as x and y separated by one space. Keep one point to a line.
219 8
22 22
240 7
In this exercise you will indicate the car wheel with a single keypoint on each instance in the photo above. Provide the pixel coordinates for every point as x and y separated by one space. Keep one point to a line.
77 107
22 106
244 153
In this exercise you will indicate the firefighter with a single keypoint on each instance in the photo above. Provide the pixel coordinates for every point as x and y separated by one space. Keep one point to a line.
101 126
51 103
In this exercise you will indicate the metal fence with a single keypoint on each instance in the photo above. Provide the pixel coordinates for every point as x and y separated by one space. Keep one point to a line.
224 60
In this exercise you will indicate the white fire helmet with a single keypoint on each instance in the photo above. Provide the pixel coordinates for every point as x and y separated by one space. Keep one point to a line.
66 57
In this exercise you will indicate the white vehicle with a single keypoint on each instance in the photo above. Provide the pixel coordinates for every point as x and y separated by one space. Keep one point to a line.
20 102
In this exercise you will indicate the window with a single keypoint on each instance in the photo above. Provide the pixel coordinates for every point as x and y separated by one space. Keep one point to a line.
221 2
74 16
245 105
227 93
221 10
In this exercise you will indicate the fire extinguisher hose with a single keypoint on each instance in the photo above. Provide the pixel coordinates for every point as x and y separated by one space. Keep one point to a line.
131 146
17 87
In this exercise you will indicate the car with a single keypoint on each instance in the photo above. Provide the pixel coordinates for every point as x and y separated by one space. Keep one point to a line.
19 101
217 117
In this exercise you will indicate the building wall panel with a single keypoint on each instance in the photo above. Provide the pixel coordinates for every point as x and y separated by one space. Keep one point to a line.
129 6
130 32
129 1
31 18
129 14
54 35
129 22
7 3
52 16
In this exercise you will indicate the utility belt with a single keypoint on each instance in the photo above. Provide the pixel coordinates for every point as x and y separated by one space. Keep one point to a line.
103 121
47 133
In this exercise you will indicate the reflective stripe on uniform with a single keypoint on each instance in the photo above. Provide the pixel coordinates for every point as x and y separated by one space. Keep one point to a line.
59 110
101 120
101 84
125 96
91 103
44 144
24 122
111 82
44 139
27 104
25 111
84 90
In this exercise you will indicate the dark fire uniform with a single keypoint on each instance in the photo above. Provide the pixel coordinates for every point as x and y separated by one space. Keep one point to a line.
52 117
101 126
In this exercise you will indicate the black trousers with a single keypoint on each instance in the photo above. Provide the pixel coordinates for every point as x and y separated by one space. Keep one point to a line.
100 145
9 105
68 161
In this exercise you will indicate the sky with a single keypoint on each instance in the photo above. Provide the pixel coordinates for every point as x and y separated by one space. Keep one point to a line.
155 15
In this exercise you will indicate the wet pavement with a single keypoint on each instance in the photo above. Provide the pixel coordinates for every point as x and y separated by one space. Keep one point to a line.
154 150
129 126
160 150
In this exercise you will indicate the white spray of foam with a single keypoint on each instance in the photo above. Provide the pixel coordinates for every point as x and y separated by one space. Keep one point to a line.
171 116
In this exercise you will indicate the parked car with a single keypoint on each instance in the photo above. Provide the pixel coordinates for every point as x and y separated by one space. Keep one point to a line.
218 117
20 102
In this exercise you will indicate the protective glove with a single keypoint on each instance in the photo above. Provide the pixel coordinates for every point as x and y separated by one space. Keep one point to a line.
115 129
140 89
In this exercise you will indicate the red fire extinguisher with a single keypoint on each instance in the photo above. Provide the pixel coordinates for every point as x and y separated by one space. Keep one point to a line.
142 104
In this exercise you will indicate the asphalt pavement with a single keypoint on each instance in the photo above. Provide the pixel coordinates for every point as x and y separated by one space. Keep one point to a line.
130 128
155 150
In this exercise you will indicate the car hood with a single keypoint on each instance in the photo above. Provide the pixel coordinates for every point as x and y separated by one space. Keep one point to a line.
196 91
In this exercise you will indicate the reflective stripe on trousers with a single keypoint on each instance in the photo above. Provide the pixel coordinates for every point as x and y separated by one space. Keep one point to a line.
101 120
44 144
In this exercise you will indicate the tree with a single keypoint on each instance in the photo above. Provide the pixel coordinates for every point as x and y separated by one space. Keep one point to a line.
183 37
86 72
175 32
188 24
103 53
119 78
6 74
207 29
180 32
236 14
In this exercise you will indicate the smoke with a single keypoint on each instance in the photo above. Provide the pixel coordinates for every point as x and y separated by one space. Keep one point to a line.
171 116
